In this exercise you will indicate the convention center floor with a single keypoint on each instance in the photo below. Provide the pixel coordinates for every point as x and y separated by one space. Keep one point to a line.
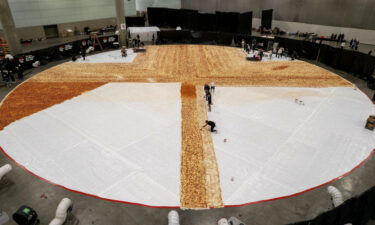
123 138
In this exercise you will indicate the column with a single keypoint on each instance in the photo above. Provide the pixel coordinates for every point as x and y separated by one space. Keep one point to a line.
120 16
9 28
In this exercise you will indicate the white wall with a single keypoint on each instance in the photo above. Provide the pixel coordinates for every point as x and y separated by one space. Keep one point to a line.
173 4
28 13
142 5
364 36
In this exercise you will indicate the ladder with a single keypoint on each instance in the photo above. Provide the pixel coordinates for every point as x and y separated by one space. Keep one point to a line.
95 40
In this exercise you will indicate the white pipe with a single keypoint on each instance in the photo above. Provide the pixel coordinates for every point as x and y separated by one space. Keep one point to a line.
222 221
62 211
173 218
336 196
4 170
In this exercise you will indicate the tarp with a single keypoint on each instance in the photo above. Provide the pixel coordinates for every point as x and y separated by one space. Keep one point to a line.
276 147
109 57
121 141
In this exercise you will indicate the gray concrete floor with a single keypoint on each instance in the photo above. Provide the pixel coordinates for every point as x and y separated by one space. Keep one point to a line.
20 188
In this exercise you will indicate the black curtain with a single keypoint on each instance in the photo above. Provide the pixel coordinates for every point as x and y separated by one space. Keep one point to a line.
227 21
206 22
354 62
174 36
154 16
188 19
135 21
267 18
245 23
170 17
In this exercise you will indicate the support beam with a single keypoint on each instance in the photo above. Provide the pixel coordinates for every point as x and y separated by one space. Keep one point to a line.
9 28
120 17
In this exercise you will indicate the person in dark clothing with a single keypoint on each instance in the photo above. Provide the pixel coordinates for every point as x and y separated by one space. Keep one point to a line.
209 101
7 76
11 75
20 71
138 40
370 52
10 67
9 64
261 53
4 76
83 52
206 89
211 124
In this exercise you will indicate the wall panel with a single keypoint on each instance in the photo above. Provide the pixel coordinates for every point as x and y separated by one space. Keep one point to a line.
340 13
27 13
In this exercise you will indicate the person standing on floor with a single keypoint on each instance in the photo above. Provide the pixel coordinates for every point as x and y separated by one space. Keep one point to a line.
206 89
83 52
261 53
211 124
356 45
10 66
19 69
212 87
138 40
209 101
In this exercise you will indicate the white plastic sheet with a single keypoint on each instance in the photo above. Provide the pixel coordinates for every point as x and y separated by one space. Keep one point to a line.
121 141
109 57
276 147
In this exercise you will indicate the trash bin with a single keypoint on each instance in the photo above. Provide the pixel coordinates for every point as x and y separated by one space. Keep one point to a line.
25 216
